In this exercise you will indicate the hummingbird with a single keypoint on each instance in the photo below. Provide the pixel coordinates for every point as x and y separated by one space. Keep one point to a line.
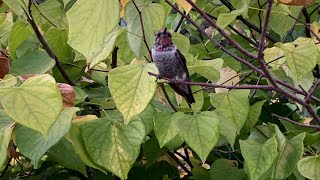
171 64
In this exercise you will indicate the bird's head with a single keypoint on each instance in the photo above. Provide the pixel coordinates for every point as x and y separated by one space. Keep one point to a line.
163 41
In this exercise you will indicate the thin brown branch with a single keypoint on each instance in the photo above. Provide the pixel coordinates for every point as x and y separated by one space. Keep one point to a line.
262 45
313 33
46 46
307 17
167 97
4 54
251 66
248 23
114 57
296 123
263 87
179 24
237 32
313 89
173 156
44 16
231 41
142 28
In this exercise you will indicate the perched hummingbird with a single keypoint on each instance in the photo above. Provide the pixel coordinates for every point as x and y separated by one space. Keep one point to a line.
171 64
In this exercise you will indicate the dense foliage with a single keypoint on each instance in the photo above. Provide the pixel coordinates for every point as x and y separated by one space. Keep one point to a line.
79 96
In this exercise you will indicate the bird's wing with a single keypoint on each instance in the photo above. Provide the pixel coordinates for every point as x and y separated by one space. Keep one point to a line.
183 62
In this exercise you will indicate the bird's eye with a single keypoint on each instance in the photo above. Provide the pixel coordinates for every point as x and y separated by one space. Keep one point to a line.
157 35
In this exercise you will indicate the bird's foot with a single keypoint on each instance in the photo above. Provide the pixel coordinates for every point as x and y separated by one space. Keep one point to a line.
158 77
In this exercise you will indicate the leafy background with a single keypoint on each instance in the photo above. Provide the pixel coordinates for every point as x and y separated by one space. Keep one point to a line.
78 99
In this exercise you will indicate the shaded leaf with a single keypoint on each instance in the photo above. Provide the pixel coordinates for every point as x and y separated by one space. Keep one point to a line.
33 145
33 62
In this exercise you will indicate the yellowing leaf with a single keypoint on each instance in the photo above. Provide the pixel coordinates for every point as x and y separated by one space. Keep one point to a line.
92 28
36 103
132 88
186 6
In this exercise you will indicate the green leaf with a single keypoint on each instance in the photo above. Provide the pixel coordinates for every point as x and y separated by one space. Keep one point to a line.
235 103
224 19
114 146
8 81
6 127
253 116
147 118
290 152
280 11
165 127
301 60
309 167
19 33
6 24
75 137
200 173
50 14
57 40
95 24
270 54
209 69
15 6
227 127
153 17
33 145
181 41
200 132
227 170
259 157
64 154
132 88
32 62
36 103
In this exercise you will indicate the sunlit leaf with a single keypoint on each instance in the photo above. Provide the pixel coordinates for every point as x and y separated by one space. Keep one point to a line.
36 103
132 88
113 146
200 132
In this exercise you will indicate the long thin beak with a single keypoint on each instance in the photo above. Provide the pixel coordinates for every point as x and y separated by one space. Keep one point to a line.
165 30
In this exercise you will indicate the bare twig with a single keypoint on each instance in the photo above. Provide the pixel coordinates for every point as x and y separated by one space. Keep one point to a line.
142 28
44 16
264 87
262 45
46 46
248 23
167 97
310 30
237 32
178 25
231 41
307 17
313 89
178 161
296 123
4 54
114 57
251 66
